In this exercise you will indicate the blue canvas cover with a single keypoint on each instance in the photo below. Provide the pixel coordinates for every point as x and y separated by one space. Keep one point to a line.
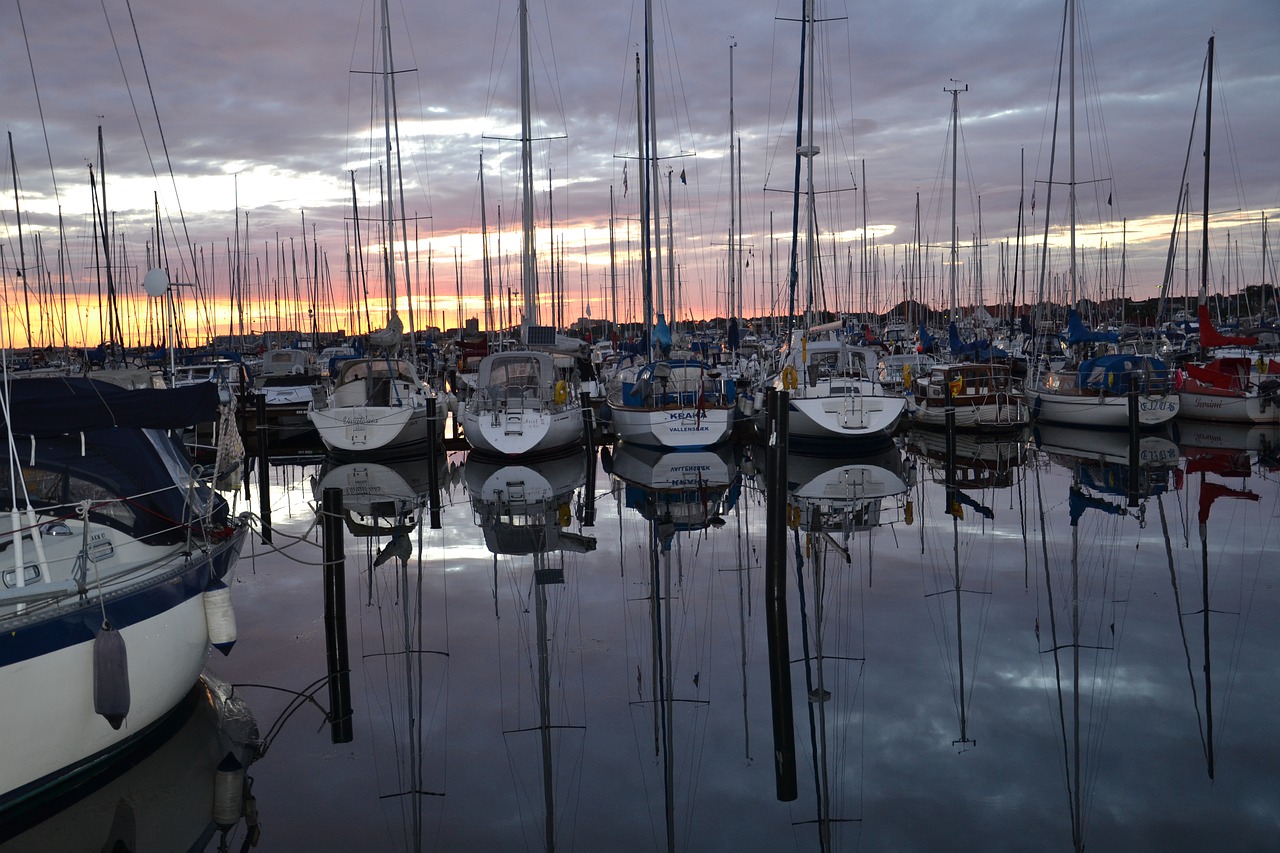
1122 373
65 405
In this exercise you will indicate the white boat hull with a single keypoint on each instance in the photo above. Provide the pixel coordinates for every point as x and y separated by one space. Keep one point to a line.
522 431
846 416
1108 412
352 429
673 428
1228 408
51 730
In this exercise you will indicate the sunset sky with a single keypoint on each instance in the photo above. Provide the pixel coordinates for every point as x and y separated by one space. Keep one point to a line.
271 108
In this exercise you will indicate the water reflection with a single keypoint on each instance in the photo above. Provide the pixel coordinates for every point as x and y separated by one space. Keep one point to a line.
1088 586
835 505
525 512
678 499
382 506
1044 627
182 787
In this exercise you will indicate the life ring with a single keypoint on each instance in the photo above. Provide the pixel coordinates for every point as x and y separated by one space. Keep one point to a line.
789 377
561 392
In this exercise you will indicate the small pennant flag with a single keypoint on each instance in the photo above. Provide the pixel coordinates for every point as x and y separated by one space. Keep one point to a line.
682 178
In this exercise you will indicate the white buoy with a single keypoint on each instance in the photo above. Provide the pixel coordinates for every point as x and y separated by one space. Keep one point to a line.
228 791
220 617
110 676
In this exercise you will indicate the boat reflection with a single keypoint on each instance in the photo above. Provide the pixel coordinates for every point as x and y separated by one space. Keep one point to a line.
525 510
678 498
381 498
848 494
1086 586
179 788
382 508
834 507
680 491
1234 464
978 461
1103 462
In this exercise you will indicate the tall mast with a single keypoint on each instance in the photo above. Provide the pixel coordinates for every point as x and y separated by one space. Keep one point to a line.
389 263
651 142
732 194
809 151
1071 144
484 247
528 255
955 138
1208 125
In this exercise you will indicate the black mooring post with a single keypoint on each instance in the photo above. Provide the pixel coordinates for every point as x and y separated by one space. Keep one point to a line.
775 574
588 429
335 616
1134 460
435 451
264 469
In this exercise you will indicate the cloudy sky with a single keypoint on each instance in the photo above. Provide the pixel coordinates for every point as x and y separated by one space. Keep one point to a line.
267 107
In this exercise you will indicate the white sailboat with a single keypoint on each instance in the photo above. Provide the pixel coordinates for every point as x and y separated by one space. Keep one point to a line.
1099 391
834 385
670 401
526 402
380 403
115 564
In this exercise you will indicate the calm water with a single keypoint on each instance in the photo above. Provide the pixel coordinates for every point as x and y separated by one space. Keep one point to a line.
1034 648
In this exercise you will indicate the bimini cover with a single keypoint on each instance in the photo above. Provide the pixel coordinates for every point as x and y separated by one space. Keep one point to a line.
80 439
65 405
126 475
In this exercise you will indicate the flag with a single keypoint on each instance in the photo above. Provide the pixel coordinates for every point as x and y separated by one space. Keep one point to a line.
1033 197
1108 199
682 179
624 180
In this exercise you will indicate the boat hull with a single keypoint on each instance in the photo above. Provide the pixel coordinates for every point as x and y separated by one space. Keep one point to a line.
52 736
523 431
673 428
1107 412
852 417
1211 404
353 429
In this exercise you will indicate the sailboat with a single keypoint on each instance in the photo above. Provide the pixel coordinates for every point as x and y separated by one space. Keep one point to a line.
667 400
380 403
1225 388
526 401
1110 389
834 385
115 562
974 389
